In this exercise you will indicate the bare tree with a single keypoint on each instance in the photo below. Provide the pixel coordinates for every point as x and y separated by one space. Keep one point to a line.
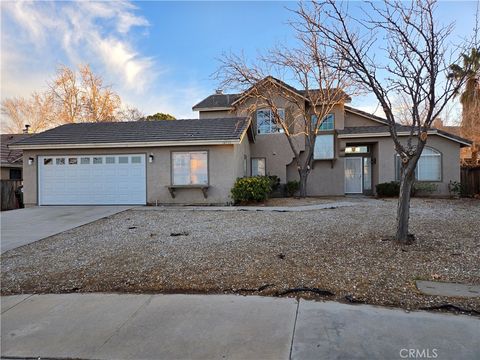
129 113
37 111
72 97
83 97
395 48
322 88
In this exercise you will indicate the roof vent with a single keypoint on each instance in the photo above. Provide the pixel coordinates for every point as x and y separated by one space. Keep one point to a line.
219 91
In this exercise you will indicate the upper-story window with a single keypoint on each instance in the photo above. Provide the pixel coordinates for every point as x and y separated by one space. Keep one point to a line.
266 121
327 124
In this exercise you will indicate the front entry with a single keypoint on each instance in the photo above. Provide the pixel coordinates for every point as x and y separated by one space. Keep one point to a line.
353 175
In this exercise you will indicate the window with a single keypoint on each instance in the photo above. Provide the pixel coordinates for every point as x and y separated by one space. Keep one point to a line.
60 161
258 167
136 159
110 160
266 122
15 174
245 165
190 168
84 160
72 161
356 149
367 174
327 124
97 160
123 159
429 166
47 161
324 147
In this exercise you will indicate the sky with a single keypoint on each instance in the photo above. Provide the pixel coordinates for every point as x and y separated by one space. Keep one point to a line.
158 55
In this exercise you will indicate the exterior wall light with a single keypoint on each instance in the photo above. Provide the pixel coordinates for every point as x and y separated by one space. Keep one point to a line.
150 158
30 160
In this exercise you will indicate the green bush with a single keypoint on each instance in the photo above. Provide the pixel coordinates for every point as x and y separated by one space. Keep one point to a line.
248 189
389 189
274 182
292 187
455 189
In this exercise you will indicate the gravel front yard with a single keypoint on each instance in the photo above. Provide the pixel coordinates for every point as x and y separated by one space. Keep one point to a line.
342 250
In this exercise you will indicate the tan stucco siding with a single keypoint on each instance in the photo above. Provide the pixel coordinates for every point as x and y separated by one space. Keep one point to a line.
277 152
221 163
355 120
216 114
239 153
384 170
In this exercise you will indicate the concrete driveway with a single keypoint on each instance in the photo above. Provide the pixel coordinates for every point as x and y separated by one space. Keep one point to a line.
24 226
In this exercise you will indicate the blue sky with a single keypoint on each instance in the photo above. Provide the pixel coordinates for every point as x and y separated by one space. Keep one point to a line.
157 55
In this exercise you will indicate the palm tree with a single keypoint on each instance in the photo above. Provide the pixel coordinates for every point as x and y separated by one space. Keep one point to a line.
470 97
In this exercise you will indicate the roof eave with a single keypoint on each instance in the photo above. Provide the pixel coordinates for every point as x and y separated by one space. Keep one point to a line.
402 133
127 144
219 108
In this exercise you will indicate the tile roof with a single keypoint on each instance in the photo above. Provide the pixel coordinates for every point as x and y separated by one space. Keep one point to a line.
227 100
10 156
400 128
222 129
217 101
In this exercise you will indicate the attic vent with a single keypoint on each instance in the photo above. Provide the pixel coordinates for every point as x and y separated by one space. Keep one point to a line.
219 91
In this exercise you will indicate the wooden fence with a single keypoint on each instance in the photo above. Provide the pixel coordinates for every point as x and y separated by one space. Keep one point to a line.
7 194
470 179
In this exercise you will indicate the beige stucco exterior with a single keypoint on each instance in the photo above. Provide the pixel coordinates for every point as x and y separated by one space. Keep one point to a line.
226 163
223 167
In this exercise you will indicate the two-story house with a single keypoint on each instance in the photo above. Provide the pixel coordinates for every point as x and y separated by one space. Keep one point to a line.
197 161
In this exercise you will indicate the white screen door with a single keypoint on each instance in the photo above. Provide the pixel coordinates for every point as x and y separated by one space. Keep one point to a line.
353 175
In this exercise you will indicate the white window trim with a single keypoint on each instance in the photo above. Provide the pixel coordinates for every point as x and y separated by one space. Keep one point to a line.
172 177
278 128
265 165
333 147
436 154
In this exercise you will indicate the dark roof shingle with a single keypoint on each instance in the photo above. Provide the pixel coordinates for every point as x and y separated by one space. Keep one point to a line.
222 129
10 156
400 128
217 101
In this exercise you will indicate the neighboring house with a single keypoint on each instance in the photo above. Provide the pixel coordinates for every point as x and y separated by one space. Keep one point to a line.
197 161
11 160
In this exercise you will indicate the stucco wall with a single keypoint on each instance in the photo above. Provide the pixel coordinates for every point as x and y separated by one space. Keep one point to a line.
239 153
221 162
353 120
384 170
216 114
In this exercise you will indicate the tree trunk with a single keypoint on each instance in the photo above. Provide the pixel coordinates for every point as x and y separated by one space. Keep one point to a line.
303 183
403 208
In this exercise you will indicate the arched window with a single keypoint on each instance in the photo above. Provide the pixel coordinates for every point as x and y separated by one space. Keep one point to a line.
429 166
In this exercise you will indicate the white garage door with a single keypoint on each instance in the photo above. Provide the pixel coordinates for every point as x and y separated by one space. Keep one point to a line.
92 179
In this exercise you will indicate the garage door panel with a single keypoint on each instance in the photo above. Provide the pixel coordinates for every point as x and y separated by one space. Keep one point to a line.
94 179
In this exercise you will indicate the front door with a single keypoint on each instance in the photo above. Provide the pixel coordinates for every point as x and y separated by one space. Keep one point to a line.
353 175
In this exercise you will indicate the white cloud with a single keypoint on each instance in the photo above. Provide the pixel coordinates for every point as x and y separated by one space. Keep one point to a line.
41 35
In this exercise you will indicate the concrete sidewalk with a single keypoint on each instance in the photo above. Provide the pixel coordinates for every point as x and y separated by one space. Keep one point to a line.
323 206
110 326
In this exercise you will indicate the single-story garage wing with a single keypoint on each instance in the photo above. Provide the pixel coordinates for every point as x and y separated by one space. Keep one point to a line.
182 161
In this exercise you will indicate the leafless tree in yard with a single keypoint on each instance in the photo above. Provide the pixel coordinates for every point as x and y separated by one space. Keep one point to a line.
35 111
321 88
394 48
